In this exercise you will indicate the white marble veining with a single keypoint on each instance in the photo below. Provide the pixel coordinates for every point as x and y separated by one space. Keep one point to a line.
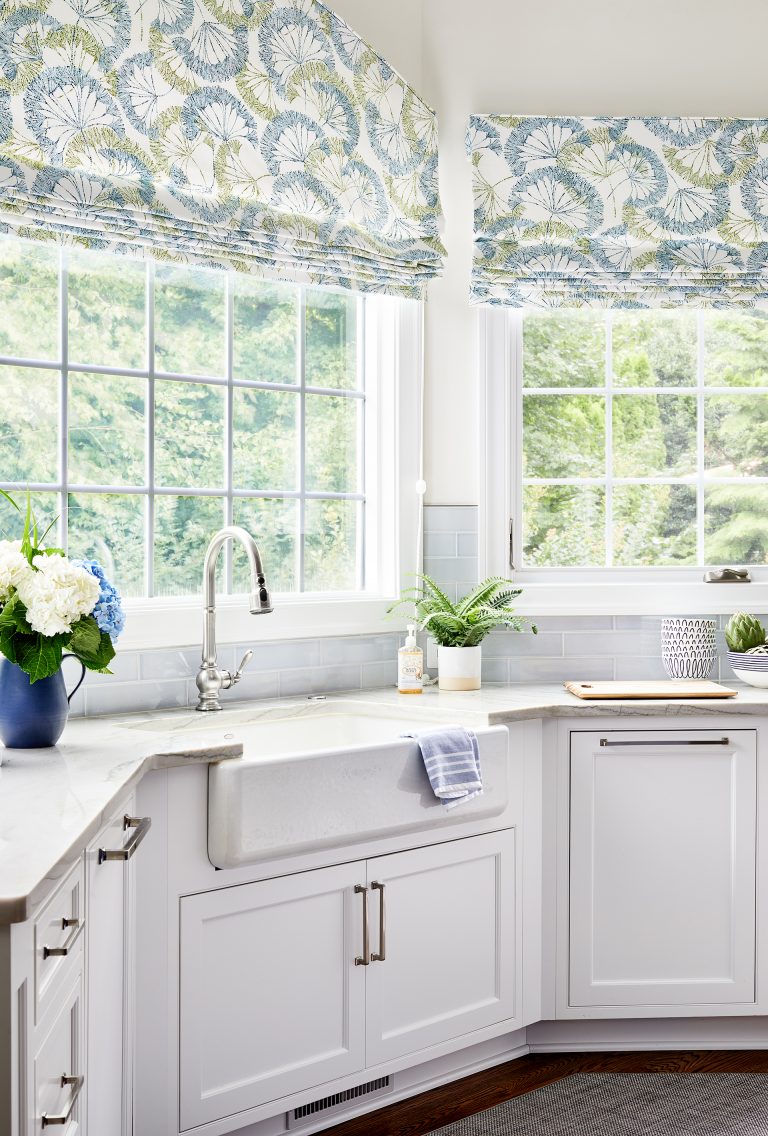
53 801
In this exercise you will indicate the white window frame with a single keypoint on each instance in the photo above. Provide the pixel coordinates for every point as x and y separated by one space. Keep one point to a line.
566 591
393 376
390 357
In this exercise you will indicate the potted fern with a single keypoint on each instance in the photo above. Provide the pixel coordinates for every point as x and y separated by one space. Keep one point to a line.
460 627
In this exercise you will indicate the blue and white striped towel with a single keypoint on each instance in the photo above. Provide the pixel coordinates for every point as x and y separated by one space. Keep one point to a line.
452 761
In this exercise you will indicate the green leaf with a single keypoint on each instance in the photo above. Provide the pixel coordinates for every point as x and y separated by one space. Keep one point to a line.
10 500
100 659
14 616
85 638
41 658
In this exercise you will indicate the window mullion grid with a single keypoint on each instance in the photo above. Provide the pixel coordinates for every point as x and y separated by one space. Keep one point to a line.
301 377
229 332
149 514
63 523
609 440
700 437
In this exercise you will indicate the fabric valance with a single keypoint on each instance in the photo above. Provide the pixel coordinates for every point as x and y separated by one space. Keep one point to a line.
620 212
255 134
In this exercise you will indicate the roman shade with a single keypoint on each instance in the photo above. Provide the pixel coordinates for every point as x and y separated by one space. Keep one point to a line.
260 135
620 212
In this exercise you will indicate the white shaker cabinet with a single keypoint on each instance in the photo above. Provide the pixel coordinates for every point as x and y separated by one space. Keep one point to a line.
271 999
662 868
449 940
291 982
109 973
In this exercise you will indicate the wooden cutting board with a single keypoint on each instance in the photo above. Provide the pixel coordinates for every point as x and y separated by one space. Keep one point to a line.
651 688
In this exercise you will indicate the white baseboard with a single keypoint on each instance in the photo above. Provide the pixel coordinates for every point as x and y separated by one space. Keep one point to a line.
643 1035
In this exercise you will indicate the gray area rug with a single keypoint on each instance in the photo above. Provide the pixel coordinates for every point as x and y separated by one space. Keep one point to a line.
630 1104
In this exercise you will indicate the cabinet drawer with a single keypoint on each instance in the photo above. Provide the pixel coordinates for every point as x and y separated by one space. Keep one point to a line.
58 1069
58 937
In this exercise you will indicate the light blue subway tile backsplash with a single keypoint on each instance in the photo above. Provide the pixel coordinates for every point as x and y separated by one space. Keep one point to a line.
359 649
450 518
613 643
379 674
319 680
530 669
466 544
514 643
440 544
567 647
282 656
446 569
495 670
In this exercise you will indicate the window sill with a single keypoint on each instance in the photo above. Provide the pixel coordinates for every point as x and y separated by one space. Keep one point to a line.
669 597
169 623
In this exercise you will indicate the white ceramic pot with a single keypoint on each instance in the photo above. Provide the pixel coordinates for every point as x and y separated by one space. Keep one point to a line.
458 668
688 647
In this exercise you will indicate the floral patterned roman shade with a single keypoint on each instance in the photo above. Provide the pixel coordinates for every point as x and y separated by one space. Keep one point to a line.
255 134
620 212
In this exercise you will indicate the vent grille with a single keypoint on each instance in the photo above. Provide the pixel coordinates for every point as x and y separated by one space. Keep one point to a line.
337 1101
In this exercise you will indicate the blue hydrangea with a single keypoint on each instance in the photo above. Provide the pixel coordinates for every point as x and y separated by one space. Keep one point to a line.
108 613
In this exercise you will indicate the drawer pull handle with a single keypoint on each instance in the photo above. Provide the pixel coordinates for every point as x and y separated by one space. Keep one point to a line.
365 960
670 742
140 826
382 953
63 1117
66 947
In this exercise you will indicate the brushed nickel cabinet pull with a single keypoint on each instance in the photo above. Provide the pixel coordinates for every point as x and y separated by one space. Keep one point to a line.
670 742
70 942
382 954
365 960
63 1117
140 826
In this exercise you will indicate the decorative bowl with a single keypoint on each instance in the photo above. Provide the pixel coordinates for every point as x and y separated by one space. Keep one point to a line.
752 669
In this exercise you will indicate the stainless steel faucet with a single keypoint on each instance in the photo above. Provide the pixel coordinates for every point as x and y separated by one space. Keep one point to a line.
210 680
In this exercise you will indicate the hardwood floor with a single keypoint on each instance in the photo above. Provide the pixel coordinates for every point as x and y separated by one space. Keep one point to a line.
449 1103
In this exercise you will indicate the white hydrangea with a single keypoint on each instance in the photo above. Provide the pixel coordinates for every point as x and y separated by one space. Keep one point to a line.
57 594
14 567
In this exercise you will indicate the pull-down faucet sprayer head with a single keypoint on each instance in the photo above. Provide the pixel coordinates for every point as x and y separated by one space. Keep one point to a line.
210 680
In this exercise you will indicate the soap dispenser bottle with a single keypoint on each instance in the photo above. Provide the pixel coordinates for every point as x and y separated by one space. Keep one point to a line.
410 665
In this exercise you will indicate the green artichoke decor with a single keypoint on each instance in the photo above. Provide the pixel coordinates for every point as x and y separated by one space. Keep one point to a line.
743 632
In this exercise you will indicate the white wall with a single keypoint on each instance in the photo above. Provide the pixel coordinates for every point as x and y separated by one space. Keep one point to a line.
543 57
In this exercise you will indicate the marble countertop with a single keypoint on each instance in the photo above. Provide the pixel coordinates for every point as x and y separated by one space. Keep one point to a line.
54 801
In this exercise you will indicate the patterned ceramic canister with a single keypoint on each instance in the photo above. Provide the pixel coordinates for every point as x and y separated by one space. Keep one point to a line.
688 647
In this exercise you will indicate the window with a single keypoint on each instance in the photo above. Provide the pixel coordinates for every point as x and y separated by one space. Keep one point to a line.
148 405
635 444
643 439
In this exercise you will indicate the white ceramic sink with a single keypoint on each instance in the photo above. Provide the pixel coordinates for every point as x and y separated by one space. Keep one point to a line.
287 737
334 776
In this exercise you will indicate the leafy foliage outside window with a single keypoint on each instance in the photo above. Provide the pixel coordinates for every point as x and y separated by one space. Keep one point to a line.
236 401
643 439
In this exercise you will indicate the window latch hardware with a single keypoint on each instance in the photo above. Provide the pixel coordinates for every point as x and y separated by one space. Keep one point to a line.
511 544
728 576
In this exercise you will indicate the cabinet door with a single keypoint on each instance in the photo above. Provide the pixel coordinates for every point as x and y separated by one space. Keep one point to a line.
662 868
59 1083
109 981
450 952
271 999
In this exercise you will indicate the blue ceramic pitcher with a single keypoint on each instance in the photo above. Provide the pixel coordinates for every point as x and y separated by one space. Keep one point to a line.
33 714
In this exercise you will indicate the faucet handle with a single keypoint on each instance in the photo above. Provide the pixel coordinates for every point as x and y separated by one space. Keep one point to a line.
241 667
